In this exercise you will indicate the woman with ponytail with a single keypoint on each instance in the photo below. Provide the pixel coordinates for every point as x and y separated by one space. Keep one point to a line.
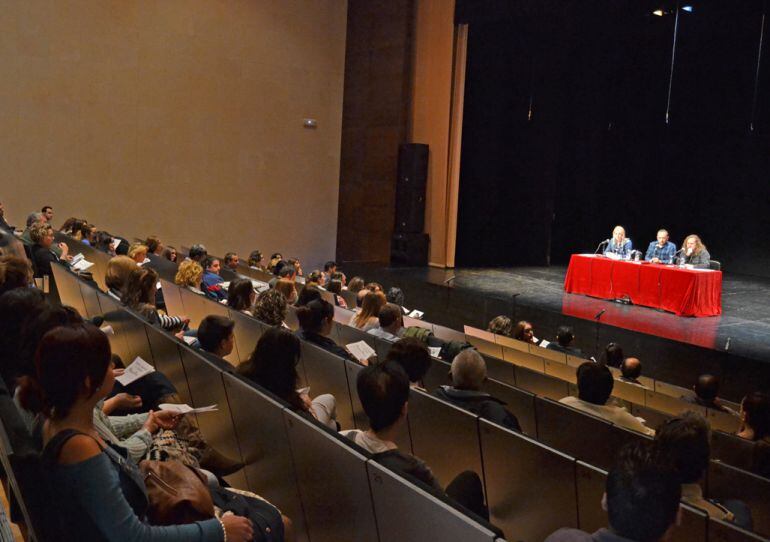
316 320
139 295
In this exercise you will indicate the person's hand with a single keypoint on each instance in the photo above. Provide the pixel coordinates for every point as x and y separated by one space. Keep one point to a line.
125 401
308 402
179 335
237 529
64 249
655 260
166 419
118 372
151 424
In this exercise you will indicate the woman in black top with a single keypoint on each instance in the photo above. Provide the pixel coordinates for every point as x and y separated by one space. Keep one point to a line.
42 255
316 320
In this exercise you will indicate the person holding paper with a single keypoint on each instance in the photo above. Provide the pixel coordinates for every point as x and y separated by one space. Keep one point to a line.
316 320
43 256
618 244
273 365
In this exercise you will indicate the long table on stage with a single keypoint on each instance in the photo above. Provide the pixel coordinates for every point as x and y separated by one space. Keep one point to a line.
685 292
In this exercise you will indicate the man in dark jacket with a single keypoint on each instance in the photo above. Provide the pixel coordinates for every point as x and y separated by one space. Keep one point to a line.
469 371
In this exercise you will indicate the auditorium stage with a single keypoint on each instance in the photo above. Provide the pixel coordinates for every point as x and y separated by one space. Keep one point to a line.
454 297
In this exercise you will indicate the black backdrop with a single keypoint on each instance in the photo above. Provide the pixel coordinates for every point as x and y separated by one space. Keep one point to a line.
566 132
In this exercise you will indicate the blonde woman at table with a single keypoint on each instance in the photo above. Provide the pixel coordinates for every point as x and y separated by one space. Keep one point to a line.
694 253
619 244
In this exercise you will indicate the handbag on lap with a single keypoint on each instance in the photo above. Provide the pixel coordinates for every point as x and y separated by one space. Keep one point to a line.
178 494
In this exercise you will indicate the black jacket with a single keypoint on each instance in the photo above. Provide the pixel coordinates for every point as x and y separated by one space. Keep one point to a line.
480 403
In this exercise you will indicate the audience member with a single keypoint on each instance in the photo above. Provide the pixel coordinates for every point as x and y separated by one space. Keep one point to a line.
68 225
41 235
288 289
15 273
525 332
119 268
138 253
154 246
47 212
32 219
340 276
313 279
212 282
77 229
231 261
11 246
296 265
308 294
374 287
641 499
316 320
273 365
270 308
3 223
384 391
685 442
139 295
706 394
169 253
367 317
612 355
103 242
469 372
216 336
241 296
413 356
356 284
595 385
96 488
755 426
283 271
330 268
335 287
564 339
255 260
274 259
631 370
391 323
189 275
198 253
395 295
501 325
17 308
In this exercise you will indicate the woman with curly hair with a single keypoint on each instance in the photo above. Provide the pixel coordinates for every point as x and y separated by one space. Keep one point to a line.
189 275
270 308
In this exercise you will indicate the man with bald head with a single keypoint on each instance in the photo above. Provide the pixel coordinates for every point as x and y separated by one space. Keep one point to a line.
662 250
631 370
707 394
469 372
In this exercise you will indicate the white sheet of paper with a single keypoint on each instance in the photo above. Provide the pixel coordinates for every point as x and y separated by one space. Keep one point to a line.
189 340
360 350
107 330
186 409
225 285
434 351
416 314
77 258
304 391
82 265
544 343
138 369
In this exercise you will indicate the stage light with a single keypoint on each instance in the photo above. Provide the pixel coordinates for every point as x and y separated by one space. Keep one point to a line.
658 12
688 9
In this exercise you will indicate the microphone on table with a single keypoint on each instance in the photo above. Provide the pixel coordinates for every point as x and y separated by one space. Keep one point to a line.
599 314
605 242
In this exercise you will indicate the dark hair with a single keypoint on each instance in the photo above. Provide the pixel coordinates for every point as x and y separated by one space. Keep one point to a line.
198 252
17 308
308 294
287 270
45 208
208 261
518 331
756 406
642 494
239 294
500 325
66 357
684 441
273 365
356 284
389 314
214 329
167 252
314 276
102 241
612 355
631 371
564 335
86 230
140 288
707 387
329 265
395 295
152 243
383 390
413 356
15 273
312 316
254 258
594 383
270 307
335 287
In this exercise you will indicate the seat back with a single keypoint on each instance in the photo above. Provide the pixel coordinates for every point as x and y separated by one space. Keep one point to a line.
332 476
520 403
325 373
194 305
265 448
590 483
541 384
68 287
724 531
407 512
715 265
168 360
733 450
728 482
444 436
530 486
248 330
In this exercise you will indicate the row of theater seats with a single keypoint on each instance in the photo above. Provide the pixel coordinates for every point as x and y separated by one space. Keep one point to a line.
451 440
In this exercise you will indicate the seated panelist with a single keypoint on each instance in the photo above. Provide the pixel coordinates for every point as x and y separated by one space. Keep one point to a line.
694 252
619 244
662 250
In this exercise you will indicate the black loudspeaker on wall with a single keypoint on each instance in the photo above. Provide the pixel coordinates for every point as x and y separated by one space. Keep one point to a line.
409 245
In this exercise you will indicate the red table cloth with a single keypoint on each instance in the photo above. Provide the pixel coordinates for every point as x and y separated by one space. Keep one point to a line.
685 292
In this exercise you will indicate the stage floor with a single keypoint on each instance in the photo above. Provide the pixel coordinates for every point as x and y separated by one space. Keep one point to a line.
743 327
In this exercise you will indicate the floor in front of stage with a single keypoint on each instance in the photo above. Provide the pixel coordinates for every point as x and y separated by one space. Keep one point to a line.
743 327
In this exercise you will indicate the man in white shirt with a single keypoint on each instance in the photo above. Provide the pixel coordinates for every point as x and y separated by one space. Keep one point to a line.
595 384
391 326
